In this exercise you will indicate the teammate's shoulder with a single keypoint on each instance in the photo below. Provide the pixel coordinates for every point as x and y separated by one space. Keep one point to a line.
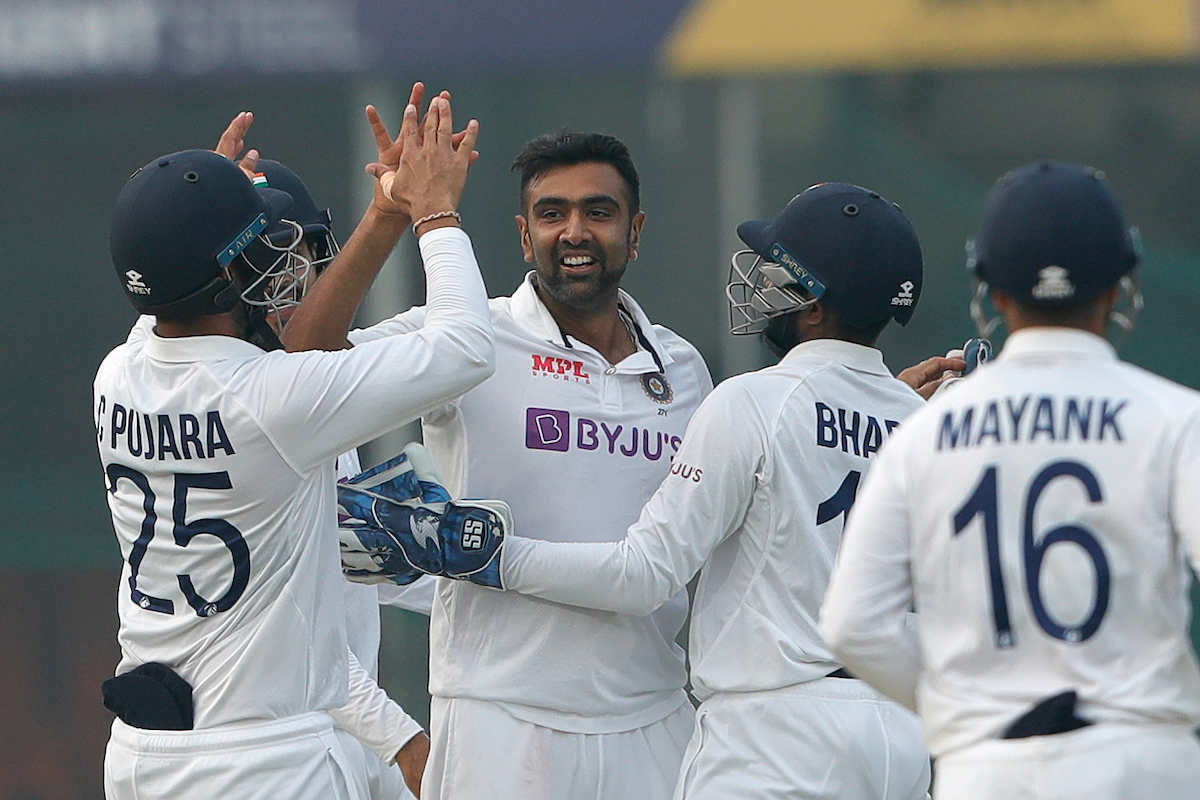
501 307
679 348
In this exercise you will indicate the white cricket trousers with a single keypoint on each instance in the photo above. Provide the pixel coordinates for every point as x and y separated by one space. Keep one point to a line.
827 739
479 750
1100 762
296 758
384 781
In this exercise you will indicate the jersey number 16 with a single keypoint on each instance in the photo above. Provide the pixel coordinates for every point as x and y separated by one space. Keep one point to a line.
983 503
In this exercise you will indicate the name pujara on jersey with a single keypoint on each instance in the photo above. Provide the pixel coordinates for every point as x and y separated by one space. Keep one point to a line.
182 437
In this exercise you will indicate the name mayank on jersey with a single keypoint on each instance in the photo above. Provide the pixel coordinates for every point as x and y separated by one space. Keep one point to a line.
1011 420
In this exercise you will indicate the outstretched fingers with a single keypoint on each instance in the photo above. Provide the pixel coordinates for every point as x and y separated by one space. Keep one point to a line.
233 140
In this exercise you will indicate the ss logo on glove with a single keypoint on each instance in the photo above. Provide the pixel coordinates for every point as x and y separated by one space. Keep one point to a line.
473 534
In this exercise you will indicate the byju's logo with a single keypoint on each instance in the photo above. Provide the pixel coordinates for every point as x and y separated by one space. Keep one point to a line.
134 284
905 297
547 429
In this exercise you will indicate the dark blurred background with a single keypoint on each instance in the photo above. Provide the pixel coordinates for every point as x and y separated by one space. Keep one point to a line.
730 107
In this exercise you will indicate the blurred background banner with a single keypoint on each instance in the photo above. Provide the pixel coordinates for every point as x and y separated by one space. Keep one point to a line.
722 36
729 108
166 38
182 38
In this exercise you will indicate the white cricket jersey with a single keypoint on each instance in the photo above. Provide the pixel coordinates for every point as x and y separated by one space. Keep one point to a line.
758 495
378 723
575 446
1038 514
219 461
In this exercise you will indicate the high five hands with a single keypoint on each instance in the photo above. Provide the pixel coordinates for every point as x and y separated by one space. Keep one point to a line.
424 169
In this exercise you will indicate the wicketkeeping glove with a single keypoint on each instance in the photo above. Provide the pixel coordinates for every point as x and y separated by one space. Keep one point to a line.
397 523
385 529
976 352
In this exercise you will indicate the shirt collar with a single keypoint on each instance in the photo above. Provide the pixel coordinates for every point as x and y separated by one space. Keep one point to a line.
1058 341
184 349
855 356
531 313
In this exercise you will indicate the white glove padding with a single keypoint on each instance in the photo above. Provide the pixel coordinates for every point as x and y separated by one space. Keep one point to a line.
975 352
396 523
472 537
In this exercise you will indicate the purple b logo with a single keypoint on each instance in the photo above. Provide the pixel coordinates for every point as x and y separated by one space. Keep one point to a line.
547 429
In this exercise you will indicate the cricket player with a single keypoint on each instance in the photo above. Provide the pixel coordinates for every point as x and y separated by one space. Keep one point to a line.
305 238
590 400
755 500
1039 516
219 462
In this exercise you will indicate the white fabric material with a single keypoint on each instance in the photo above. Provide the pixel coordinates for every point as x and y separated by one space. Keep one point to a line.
383 781
379 725
575 446
299 758
764 453
374 718
416 596
489 753
362 600
1101 762
1054 399
269 426
826 739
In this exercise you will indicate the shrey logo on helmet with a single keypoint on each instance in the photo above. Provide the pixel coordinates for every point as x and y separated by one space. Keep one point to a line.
134 284
1054 283
905 297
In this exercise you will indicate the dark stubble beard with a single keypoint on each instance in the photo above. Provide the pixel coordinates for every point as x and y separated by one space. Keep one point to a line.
584 292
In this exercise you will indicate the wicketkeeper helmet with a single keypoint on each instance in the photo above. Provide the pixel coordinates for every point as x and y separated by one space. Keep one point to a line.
282 273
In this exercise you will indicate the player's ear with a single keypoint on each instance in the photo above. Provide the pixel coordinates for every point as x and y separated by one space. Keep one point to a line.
635 233
526 241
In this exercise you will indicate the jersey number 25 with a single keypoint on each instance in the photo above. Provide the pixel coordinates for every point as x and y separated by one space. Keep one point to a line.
183 532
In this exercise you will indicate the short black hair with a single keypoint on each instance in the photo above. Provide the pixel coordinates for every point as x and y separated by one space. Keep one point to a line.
567 148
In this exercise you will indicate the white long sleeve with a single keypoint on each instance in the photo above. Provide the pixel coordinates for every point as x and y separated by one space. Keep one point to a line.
866 619
374 718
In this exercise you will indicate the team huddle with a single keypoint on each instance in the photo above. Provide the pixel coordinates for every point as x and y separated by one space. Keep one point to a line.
967 579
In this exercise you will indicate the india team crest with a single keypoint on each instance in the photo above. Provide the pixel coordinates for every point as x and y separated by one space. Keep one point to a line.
656 387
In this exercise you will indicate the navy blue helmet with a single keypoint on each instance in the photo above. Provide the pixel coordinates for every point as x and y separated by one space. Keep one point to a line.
179 224
841 244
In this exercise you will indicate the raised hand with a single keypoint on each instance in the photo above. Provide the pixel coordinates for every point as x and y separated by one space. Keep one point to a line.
432 169
390 149
233 141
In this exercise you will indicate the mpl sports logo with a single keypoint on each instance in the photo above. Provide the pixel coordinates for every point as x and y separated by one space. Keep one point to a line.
554 429
563 369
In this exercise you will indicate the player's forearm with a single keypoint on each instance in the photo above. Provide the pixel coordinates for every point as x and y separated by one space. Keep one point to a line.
327 311
882 653
411 761
374 718
456 298
607 576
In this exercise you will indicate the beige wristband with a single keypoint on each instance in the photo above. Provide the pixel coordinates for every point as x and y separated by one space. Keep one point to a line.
439 215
